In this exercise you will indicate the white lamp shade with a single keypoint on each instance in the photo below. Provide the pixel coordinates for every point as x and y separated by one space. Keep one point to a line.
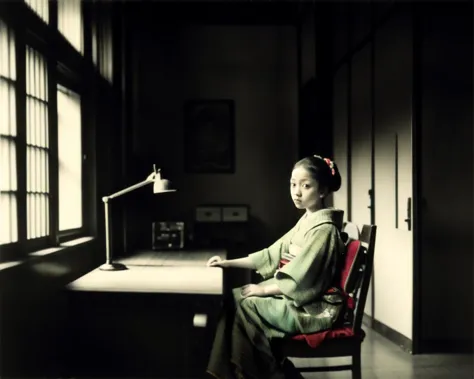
162 185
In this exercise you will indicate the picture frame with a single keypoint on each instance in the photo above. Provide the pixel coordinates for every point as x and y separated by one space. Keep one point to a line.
209 136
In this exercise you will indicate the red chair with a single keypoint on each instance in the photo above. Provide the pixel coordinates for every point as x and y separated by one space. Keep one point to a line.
346 340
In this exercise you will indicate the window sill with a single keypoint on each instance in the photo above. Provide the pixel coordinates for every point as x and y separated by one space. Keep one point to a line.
47 252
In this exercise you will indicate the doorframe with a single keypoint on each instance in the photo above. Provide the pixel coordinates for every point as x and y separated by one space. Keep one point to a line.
349 111
416 173
372 153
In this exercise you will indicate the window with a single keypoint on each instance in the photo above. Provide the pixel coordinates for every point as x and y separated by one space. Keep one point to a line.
41 7
69 159
102 40
44 183
37 145
70 22
8 138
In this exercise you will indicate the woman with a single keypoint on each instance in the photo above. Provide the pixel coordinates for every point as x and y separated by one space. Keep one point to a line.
298 270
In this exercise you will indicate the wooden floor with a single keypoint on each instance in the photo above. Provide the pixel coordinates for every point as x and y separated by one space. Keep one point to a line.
381 359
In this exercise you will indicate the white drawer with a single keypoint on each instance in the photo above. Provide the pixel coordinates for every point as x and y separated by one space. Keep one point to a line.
208 214
234 214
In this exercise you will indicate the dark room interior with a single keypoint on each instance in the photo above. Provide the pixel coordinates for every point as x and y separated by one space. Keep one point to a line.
97 95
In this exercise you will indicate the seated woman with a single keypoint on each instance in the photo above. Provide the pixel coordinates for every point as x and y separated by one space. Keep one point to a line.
298 270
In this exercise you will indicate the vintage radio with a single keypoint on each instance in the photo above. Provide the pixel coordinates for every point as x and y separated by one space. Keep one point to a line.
168 235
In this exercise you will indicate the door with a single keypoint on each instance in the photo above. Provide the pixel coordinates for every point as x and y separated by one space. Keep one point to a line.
361 144
340 119
393 265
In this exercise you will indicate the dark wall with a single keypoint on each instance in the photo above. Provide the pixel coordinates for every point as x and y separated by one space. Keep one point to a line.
315 95
253 65
35 311
446 176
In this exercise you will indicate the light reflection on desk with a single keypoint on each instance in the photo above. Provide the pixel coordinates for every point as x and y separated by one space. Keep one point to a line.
182 272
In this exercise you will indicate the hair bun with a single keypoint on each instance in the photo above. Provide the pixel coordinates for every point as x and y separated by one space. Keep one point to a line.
335 180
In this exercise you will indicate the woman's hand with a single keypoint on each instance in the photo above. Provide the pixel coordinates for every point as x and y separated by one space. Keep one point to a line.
253 290
216 261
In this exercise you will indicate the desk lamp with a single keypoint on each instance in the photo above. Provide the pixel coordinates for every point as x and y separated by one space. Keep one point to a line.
159 186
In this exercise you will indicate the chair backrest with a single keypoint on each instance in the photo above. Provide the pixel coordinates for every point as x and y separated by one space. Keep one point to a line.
351 230
350 271
365 266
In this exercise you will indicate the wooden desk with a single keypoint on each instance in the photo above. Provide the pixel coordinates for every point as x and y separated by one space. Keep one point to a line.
156 319
182 272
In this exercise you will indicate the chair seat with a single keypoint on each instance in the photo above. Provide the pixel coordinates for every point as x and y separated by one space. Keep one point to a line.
336 342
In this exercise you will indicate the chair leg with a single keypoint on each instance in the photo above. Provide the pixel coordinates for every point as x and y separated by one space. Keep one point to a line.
356 366
290 371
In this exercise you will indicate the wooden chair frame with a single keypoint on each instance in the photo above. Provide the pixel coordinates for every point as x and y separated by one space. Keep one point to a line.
345 346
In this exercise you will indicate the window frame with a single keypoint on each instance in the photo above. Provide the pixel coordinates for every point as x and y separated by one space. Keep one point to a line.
37 38
69 81
102 39
35 45
10 246
69 68
80 49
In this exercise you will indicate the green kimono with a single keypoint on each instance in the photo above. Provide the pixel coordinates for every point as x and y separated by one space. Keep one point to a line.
304 265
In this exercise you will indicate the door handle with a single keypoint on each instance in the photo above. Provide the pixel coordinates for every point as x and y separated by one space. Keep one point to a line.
408 219
371 205
371 198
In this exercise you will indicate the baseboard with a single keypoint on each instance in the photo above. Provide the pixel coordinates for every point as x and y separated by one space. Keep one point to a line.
426 346
367 320
392 335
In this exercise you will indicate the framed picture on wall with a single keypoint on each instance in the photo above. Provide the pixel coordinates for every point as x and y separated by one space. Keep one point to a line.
209 136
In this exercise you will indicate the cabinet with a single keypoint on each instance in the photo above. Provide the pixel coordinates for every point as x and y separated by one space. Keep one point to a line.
222 226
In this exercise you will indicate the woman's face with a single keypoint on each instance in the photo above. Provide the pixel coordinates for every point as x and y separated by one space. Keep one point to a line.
305 191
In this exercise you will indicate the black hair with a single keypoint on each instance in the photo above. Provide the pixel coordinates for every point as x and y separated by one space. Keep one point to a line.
323 170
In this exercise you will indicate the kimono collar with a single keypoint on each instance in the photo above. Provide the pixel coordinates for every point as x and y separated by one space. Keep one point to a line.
333 215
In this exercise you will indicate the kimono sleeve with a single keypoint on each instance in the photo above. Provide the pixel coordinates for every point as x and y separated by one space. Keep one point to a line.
266 261
311 272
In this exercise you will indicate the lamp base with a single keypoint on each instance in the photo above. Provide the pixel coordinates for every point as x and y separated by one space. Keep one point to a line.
113 267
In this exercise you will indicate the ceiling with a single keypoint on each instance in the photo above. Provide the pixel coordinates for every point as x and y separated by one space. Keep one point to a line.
246 12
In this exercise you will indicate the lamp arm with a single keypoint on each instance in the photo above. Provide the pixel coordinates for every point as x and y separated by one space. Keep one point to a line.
108 263
155 175
128 189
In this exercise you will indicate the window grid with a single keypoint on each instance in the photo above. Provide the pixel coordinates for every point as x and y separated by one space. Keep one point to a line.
102 42
70 22
41 7
69 159
8 138
105 53
37 145
95 32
